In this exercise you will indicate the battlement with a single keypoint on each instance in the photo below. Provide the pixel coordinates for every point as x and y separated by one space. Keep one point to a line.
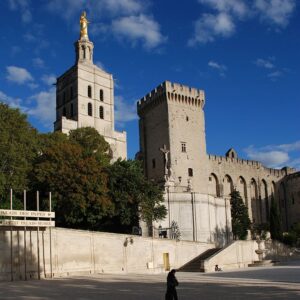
251 163
174 92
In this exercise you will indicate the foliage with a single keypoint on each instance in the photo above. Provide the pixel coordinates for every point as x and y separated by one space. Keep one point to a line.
133 196
275 221
261 230
92 143
18 148
292 237
77 180
239 216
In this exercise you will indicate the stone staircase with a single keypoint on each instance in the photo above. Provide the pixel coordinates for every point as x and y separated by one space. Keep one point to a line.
196 264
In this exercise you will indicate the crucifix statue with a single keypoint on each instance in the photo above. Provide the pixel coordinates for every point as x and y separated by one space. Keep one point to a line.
165 151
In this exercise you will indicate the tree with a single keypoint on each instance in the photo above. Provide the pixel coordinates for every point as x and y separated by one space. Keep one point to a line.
77 180
239 216
93 144
133 197
275 221
18 149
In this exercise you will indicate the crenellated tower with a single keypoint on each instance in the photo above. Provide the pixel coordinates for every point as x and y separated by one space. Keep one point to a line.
172 136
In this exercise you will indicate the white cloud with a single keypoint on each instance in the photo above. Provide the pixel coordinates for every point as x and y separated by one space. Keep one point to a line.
18 75
274 75
269 65
237 7
124 112
219 67
49 79
23 6
13 102
38 62
276 12
73 7
227 13
276 156
264 63
135 28
210 26
44 109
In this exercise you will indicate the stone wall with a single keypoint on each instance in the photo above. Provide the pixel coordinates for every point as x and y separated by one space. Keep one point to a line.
86 252
237 255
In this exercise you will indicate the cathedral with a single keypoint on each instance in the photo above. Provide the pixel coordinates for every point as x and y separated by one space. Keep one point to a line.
173 151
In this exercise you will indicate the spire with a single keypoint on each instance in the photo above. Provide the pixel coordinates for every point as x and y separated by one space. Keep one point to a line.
84 47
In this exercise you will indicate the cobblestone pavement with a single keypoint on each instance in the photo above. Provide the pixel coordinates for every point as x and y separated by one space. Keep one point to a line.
280 282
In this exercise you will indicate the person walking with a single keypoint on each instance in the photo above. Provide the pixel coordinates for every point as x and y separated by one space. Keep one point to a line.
172 282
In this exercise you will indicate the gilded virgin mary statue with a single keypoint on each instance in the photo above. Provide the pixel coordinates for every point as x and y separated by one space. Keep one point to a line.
84 26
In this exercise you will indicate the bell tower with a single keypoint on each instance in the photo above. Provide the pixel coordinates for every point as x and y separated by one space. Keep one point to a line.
85 96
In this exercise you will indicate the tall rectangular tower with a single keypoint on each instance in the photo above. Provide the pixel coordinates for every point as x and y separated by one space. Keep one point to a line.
85 97
172 136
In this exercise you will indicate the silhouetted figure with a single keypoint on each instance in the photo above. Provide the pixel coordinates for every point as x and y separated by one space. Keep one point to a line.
217 268
171 286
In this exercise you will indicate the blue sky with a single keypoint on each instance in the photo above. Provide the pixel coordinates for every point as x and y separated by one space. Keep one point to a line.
244 54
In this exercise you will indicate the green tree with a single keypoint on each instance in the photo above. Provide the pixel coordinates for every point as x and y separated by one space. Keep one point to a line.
275 221
239 216
93 143
18 149
77 180
133 196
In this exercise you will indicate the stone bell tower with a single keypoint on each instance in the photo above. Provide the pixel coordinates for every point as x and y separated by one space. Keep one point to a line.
85 96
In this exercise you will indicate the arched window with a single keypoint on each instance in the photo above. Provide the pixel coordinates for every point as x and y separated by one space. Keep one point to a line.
101 112
64 112
90 109
213 185
89 91
101 95
71 110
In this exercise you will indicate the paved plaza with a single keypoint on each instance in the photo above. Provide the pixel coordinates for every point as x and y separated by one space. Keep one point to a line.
279 282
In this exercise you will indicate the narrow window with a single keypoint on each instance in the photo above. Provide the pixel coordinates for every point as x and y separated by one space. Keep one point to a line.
64 98
183 147
153 163
89 91
90 109
190 172
71 110
71 93
101 95
64 112
101 112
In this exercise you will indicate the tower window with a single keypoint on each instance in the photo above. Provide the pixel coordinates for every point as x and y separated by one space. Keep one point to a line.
64 98
90 109
101 95
71 110
64 112
101 112
183 147
71 92
190 172
153 163
89 91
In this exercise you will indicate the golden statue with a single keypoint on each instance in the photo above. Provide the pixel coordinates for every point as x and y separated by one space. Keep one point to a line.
84 26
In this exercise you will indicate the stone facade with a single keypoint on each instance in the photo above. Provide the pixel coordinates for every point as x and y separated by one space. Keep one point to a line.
85 98
198 185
